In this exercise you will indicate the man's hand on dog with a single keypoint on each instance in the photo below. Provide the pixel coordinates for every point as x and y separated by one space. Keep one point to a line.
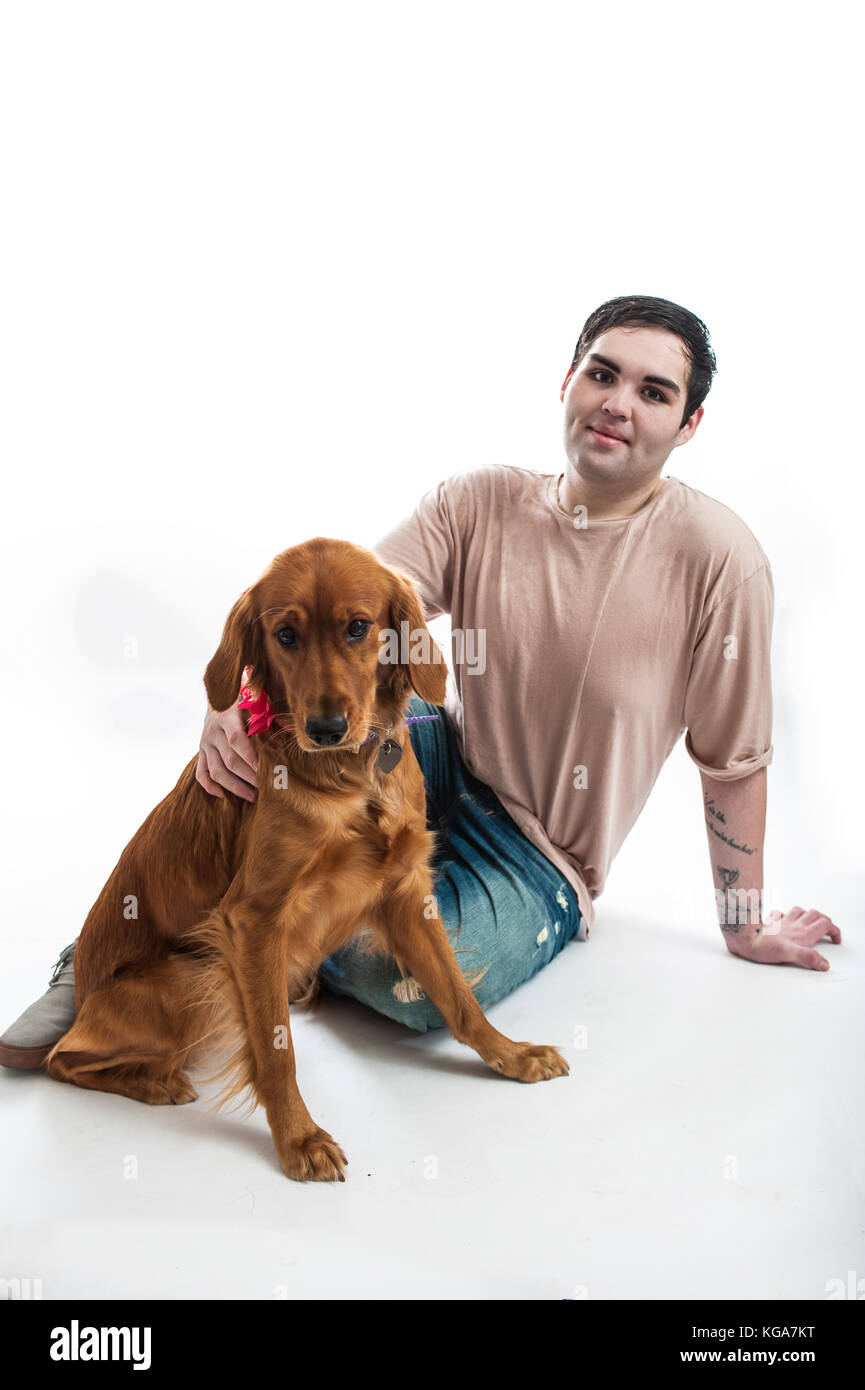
227 758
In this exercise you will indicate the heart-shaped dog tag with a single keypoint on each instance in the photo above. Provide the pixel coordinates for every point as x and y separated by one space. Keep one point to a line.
389 755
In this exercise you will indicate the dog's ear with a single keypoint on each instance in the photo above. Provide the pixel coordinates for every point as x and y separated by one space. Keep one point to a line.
411 654
240 647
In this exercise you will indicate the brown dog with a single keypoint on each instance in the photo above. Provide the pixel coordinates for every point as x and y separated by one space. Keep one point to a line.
220 910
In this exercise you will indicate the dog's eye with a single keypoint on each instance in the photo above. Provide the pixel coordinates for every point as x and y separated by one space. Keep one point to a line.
286 637
358 628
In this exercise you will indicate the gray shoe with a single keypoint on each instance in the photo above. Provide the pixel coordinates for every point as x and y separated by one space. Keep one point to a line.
27 1043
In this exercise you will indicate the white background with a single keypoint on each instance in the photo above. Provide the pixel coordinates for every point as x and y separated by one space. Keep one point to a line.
273 271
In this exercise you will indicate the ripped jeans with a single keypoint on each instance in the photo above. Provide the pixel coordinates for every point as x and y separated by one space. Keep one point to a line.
506 908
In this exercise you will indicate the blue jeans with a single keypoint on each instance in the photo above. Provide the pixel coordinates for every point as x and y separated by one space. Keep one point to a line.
506 908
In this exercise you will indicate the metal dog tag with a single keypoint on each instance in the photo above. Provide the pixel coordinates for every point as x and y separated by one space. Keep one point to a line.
389 755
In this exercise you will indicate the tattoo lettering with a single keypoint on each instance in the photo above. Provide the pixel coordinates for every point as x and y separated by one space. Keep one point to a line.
728 841
712 815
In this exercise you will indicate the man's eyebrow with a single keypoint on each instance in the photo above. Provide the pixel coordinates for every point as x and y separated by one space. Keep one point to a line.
614 367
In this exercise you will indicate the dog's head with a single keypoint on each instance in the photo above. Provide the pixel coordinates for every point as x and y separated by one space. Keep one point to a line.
336 639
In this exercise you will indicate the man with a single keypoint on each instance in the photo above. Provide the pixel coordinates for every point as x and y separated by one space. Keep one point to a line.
615 609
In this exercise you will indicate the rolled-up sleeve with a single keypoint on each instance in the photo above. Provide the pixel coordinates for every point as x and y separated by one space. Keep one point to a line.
424 546
728 705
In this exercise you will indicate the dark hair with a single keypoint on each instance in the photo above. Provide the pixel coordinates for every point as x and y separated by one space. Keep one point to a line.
644 310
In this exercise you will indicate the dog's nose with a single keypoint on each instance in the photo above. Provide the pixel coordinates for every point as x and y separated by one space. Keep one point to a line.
325 732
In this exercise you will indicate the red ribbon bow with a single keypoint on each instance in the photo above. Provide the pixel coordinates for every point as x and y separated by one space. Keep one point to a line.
261 714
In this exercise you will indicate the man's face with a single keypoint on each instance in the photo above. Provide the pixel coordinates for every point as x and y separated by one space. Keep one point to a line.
615 395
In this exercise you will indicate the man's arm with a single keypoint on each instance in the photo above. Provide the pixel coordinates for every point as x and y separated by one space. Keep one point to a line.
735 816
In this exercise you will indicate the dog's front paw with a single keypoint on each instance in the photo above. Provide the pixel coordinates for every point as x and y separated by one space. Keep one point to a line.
530 1062
315 1157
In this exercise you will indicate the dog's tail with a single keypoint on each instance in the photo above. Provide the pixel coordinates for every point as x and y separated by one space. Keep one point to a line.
223 1054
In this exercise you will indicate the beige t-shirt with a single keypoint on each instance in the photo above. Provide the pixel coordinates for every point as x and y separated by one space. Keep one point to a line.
580 653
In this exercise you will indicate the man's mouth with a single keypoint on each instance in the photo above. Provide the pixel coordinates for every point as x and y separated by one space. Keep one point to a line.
607 438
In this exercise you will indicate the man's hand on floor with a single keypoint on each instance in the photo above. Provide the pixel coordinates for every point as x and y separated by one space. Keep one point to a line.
785 939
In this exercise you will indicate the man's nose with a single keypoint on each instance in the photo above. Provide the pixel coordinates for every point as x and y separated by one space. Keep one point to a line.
326 732
618 402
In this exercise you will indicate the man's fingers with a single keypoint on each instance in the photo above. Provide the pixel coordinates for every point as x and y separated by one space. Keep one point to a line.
808 958
227 767
227 756
221 774
243 747
820 926
203 776
233 761
811 926
235 746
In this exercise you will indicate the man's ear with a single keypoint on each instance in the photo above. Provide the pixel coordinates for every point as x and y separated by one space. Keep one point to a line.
414 659
689 429
240 647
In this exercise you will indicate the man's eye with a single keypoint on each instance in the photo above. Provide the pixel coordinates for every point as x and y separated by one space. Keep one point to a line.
357 628
656 394
286 637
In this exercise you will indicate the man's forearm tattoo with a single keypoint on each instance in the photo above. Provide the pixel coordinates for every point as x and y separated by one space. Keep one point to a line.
712 815
737 907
